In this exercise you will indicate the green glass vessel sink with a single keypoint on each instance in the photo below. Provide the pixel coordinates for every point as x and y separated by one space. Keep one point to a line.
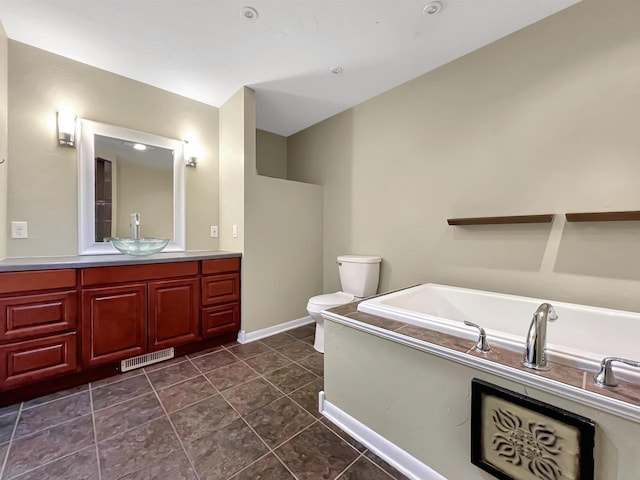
139 246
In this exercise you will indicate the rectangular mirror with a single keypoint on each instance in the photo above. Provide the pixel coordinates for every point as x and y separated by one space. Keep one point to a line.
124 171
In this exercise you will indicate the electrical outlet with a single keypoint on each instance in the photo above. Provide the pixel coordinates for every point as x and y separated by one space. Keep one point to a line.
19 230
214 231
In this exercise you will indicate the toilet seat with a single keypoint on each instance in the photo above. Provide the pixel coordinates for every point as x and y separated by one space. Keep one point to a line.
322 302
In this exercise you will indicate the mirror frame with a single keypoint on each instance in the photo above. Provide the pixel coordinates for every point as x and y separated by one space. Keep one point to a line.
86 184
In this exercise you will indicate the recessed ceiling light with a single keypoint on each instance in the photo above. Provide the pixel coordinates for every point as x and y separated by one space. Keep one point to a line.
249 13
336 69
139 146
432 8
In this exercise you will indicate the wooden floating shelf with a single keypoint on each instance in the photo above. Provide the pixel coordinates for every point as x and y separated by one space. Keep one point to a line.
604 216
546 218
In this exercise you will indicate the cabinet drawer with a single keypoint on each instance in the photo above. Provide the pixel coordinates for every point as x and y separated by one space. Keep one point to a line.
33 360
12 282
222 265
220 289
220 319
137 273
32 315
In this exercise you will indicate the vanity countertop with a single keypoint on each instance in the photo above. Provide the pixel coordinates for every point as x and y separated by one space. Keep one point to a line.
22 264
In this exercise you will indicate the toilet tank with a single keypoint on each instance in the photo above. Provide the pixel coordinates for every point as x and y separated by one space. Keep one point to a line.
359 274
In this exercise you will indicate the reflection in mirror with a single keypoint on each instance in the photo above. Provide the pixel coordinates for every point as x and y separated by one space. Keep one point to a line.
130 178
124 171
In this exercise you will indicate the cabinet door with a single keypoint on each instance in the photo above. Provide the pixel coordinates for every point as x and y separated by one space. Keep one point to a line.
173 313
114 323
220 319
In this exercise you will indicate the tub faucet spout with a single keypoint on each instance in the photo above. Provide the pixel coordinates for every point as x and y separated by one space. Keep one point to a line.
535 352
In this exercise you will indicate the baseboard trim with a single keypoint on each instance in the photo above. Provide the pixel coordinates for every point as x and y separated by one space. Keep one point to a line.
389 452
244 337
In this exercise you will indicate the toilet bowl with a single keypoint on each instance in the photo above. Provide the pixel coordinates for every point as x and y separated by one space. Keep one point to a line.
359 276
322 302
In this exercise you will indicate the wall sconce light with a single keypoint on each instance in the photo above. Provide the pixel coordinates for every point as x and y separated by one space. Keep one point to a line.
190 154
66 123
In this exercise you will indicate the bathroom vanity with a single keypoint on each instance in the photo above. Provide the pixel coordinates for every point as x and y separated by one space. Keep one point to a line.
64 320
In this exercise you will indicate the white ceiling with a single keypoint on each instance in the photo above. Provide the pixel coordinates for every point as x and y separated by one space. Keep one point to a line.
206 50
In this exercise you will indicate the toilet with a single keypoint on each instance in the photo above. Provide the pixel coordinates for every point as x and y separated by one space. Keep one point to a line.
359 275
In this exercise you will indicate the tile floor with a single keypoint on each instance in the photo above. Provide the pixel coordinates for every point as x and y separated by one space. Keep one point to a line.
234 412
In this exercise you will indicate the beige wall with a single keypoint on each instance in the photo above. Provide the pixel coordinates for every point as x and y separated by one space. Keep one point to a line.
271 154
283 243
283 251
542 121
406 395
43 186
3 142
279 225
232 165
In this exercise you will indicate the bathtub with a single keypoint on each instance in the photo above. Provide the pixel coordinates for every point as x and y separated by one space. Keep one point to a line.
581 337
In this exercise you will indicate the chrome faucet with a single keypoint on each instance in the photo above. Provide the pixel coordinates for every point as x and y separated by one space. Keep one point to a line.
605 377
481 345
535 353
135 225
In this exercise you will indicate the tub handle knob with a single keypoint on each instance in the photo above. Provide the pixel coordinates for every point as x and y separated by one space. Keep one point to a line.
605 376
481 345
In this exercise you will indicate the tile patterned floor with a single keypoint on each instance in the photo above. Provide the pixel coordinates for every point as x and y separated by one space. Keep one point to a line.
234 412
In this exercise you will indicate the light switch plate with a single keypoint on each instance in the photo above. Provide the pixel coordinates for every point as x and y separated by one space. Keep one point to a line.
19 230
214 231
234 231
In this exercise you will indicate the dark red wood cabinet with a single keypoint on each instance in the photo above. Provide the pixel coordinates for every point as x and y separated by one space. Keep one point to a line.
33 315
159 310
220 297
220 319
38 321
173 313
114 323
59 322
34 360
220 288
